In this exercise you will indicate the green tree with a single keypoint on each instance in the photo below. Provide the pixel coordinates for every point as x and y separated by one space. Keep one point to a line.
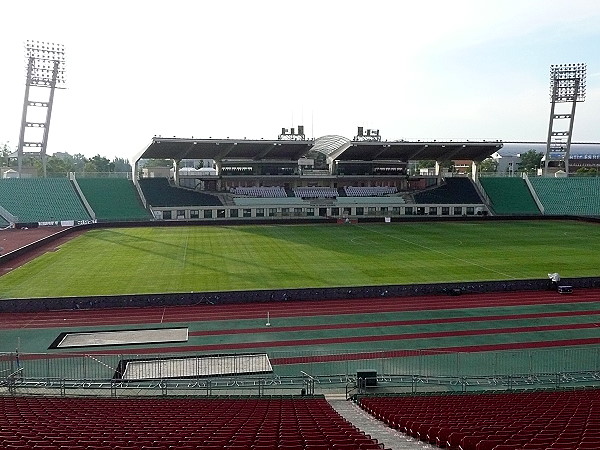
488 165
79 162
99 164
56 166
587 172
4 152
121 165
530 161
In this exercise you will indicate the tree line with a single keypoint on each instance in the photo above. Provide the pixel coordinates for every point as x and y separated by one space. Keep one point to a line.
61 164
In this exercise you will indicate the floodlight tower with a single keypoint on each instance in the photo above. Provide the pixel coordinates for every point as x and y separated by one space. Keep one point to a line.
567 84
45 69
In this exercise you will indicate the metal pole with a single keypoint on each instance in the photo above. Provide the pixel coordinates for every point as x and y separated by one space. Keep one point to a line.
24 118
48 115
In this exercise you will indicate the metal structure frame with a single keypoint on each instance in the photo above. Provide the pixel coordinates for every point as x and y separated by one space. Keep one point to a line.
291 134
567 85
367 135
45 69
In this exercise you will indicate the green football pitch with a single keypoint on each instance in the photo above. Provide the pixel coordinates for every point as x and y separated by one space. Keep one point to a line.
185 259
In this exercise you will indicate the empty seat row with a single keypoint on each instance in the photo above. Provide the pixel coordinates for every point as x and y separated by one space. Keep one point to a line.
315 192
260 191
495 421
157 423
371 191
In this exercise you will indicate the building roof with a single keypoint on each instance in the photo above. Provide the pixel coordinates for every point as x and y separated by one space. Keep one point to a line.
334 147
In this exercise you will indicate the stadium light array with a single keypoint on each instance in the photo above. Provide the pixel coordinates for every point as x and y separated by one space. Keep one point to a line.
567 82
45 64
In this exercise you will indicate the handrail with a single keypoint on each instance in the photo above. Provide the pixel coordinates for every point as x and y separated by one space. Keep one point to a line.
87 206
536 199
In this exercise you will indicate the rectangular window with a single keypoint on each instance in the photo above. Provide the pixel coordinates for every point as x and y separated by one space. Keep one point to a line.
297 211
458 210
220 213
208 214
181 213
247 212
408 210
310 212
233 213
372 210
384 210
260 212
285 212
360 211
470 211
272 212
167 215
445 211
396 210
433 210
335 211
194 214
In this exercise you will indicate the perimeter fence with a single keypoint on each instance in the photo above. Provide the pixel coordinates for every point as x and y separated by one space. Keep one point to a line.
300 372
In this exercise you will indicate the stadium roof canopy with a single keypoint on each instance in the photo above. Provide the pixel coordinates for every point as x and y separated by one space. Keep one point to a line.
219 149
339 149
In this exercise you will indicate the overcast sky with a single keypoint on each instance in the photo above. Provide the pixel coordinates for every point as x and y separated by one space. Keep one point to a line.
466 69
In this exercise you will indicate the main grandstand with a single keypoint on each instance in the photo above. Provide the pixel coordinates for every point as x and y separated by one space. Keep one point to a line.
274 367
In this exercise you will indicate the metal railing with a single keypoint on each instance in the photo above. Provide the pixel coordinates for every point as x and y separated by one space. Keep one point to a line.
310 372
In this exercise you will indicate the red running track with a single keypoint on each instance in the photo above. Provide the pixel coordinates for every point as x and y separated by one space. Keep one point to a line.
123 316
394 323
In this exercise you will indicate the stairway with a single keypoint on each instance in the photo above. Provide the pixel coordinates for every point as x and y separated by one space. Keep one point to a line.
390 438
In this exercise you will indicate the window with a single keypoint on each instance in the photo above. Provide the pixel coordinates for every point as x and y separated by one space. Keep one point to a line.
167 215
194 214
458 210
310 212
181 213
208 214
395 210
372 210
285 212
260 212
220 213
246 212
272 212
433 210
347 211
335 211
445 211
297 211
408 211
384 210
470 210
360 211
233 213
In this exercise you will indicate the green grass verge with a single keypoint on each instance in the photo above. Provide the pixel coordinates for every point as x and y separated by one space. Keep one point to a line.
185 259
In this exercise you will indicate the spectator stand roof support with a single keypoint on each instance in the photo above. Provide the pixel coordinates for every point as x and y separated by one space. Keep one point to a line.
335 148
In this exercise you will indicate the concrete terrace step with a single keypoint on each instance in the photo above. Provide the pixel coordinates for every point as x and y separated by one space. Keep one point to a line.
390 438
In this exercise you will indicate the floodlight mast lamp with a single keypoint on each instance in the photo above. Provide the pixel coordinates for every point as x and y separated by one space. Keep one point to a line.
45 69
567 84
